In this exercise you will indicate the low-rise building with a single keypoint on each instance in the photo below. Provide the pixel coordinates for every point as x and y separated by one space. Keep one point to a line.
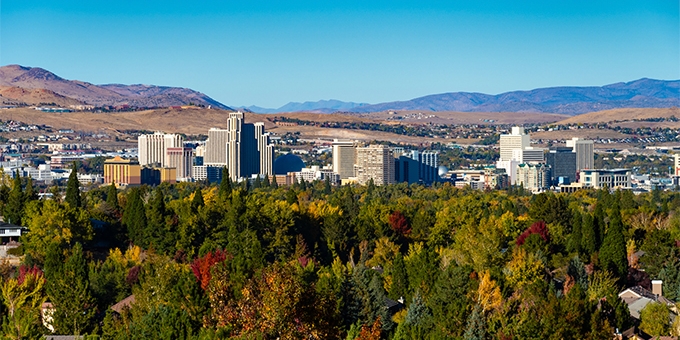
605 178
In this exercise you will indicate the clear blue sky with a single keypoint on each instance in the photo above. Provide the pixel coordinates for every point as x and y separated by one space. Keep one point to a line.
267 53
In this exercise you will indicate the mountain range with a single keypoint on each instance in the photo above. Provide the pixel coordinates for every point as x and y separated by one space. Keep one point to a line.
36 86
19 84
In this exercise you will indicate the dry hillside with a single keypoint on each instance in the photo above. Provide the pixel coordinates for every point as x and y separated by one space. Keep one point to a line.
621 115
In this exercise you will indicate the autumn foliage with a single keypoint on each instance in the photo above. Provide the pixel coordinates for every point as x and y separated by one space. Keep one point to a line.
538 228
201 266
399 223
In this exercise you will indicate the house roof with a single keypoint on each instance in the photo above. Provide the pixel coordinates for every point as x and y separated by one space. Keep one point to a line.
123 304
636 306
640 292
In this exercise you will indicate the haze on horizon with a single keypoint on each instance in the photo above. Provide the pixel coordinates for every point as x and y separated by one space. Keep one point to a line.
269 53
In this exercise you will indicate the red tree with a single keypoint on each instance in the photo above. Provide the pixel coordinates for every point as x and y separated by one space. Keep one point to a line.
537 228
399 223
201 266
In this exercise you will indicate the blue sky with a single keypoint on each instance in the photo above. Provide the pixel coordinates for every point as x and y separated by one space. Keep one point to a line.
268 53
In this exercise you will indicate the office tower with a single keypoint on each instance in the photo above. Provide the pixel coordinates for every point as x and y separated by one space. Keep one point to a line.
374 162
181 159
265 149
344 156
429 166
234 127
406 169
562 162
585 157
517 139
152 149
216 147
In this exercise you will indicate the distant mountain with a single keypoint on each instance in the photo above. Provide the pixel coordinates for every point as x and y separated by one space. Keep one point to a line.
642 93
31 78
321 106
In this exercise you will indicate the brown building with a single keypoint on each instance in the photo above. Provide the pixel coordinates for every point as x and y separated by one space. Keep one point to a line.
122 172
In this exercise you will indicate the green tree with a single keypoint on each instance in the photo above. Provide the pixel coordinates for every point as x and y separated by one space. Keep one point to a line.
70 294
112 197
613 252
399 287
655 319
134 217
13 211
30 193
73 197
476 325
588 244
23 297
225 185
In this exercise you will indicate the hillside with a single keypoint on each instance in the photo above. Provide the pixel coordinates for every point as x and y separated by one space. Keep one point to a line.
622 115
643 93
32 78
10 95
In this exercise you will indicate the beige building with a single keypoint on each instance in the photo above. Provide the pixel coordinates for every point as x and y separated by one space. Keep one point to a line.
153 148
266 150
374 162
121 171
181 159
605 178
534 177
584 149
344 156
216 147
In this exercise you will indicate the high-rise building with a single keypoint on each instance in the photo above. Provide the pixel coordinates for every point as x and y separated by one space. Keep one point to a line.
415 166
216 147
344 156
517 139
529 155
584 149
152 148
265 149
374 162
429 166
181 159
533 177
562 162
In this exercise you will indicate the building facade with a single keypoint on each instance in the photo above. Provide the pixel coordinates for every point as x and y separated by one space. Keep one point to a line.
181 159
344 156
517 139
121 171
152 148
374 162
534 177
605 178
216 147
562 162
584 149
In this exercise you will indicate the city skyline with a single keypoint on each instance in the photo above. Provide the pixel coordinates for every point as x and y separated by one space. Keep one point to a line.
268 53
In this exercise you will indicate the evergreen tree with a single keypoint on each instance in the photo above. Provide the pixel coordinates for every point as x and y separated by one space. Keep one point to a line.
577 270
399 287
4 193
599 221
476 325
257 183
70 295
156 229
30 194
134 217
327 189
266 183
613 252
73 188
417 311
574 243
112 197
224 192
13 211
197 202
588 243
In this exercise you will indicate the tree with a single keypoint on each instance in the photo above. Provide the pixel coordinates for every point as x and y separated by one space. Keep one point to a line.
613 252
70 294
655 319
112 197
476 325
30 193
588 243
23 296
13 211
225 185
488 295
134 217
73 197
399 286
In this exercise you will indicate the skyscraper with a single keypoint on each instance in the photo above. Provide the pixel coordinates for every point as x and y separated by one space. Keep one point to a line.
152 148
517 139
344 155
181 159
216 148
562 162
585 157
374 162
265 148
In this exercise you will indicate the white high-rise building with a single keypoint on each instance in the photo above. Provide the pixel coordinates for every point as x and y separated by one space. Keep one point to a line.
517 139
234 141
181 159
584 149
534 177
153 148
529 155
344 156
266 150
216 147
374 162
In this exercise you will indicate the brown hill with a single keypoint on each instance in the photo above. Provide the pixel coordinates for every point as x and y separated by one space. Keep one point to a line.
12 94
621 115
103 95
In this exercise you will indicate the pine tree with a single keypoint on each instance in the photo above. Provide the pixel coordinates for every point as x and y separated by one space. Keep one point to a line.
266 183
417 311
574 243
73 188
327 189
156 229
224 192
275 184
70 294
476 325
112 197
29 191
257 183
13 211
588 242
197 202
399 287
613 252
134 217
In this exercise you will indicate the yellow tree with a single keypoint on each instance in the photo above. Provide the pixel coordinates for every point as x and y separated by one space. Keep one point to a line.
489 293
524 268
23 298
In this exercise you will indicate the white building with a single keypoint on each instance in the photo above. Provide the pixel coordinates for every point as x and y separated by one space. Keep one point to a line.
344 156
516 140
153 148
181 159
317 173
216 147
534 177
605 178
374 162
